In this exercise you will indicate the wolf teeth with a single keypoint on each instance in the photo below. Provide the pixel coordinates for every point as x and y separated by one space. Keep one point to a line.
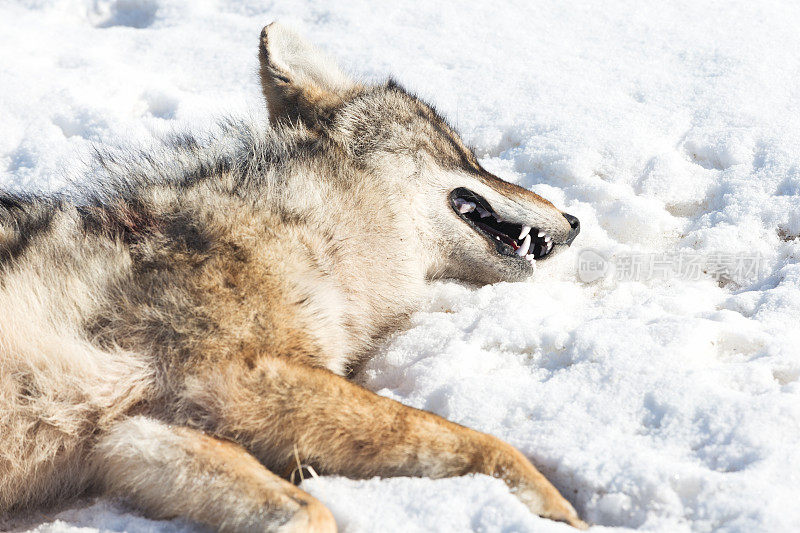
522 251
463 206
535 243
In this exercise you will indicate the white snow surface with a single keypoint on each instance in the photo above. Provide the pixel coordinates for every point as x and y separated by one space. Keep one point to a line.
657 404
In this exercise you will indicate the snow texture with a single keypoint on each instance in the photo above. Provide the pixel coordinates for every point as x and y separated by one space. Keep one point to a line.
666 127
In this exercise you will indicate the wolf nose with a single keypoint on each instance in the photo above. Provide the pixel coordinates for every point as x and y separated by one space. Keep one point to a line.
575 224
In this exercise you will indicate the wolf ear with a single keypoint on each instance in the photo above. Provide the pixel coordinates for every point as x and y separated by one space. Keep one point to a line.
298 81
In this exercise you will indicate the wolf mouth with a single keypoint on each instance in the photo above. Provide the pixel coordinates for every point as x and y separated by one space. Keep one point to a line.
510 238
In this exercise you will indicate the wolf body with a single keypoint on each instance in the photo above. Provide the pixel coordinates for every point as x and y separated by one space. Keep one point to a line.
177 334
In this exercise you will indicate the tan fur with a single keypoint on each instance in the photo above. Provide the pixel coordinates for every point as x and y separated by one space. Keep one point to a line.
168 470
174 341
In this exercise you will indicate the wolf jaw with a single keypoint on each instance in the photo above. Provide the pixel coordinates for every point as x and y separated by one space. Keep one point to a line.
509 238
520 240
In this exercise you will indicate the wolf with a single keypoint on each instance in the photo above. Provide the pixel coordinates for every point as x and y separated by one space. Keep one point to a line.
185 329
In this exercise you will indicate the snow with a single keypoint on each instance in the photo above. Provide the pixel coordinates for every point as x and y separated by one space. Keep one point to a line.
657 403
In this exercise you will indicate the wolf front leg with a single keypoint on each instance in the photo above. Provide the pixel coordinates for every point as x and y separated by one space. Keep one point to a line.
172 471
274 405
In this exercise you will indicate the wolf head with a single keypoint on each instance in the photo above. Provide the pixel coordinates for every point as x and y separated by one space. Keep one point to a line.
473 226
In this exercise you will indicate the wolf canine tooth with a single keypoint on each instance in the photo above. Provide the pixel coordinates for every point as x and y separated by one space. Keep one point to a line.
524 247
524 232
